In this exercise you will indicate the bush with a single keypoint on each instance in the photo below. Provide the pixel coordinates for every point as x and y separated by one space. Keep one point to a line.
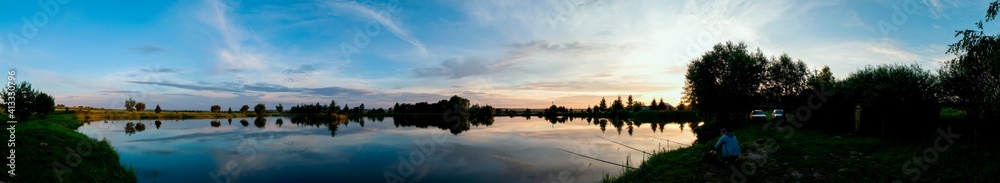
894 98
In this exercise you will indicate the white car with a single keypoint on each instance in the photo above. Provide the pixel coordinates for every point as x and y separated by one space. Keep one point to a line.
778 114
758 115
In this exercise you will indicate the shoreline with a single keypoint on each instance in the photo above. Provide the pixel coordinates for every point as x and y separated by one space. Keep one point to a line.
51 150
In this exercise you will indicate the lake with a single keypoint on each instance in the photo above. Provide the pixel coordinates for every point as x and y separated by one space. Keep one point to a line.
276 149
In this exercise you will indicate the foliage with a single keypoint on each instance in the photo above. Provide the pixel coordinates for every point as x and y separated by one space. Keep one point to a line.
313 108
617 105
971 81
603 106
46 144
22 100
555 110
140 106
725 81
630 104
784 80
129 105
44 104
244 109
279 108
681 107
217 108
259 109
901 96
333 109
821 79
665 106
157 110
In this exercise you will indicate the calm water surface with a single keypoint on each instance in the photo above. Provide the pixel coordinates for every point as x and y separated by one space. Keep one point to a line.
275 149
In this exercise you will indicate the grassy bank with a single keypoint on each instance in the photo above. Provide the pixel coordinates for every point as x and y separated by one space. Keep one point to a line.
86 114
50 150
815 156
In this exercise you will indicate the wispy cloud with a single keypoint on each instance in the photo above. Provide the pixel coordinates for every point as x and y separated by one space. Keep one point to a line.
385 17
463 67
161 70
148 49
238 49
262 88
936 7
119 91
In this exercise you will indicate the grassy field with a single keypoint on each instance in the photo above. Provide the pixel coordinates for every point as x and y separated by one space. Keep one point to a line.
770 155
91 114
50 150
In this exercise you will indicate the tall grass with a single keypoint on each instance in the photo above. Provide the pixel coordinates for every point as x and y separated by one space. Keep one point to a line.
87 115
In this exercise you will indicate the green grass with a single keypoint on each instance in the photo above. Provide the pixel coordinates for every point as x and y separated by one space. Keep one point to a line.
35 160
90 114
831 158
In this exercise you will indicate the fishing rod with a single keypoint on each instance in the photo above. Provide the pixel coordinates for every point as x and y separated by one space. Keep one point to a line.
608 162
616 164
624 145
668 140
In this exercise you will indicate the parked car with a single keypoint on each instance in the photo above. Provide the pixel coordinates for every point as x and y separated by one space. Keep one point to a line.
778 114
758 116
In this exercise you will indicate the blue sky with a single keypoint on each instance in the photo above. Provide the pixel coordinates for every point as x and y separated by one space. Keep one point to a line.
193 54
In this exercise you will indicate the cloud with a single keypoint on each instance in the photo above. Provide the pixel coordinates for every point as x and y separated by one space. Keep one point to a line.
936 7
457 68
161 70
853 20
148 49
302 69
195 87
335 91
595 86
239 49
463 67
119 91
384 17
263 87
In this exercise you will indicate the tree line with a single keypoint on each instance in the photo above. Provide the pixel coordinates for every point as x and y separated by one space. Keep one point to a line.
21 101
728 81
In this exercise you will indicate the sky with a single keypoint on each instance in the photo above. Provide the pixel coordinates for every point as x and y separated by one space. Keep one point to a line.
189 55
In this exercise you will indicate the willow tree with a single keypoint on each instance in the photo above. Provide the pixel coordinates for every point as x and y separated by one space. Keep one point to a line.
971 81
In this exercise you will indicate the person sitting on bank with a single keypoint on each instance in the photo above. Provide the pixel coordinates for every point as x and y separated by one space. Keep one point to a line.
729 147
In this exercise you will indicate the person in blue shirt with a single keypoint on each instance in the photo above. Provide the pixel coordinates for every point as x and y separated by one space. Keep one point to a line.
728 146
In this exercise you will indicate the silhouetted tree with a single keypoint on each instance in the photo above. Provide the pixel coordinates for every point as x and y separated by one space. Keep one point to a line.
279 108
333 107
140 106
129 105
971 81
784 80
216 108
157 111
44 105
617 105
630 103
665 106
653 105
259 109
23 98
724 82
901 96
230 110
244 109
603 105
